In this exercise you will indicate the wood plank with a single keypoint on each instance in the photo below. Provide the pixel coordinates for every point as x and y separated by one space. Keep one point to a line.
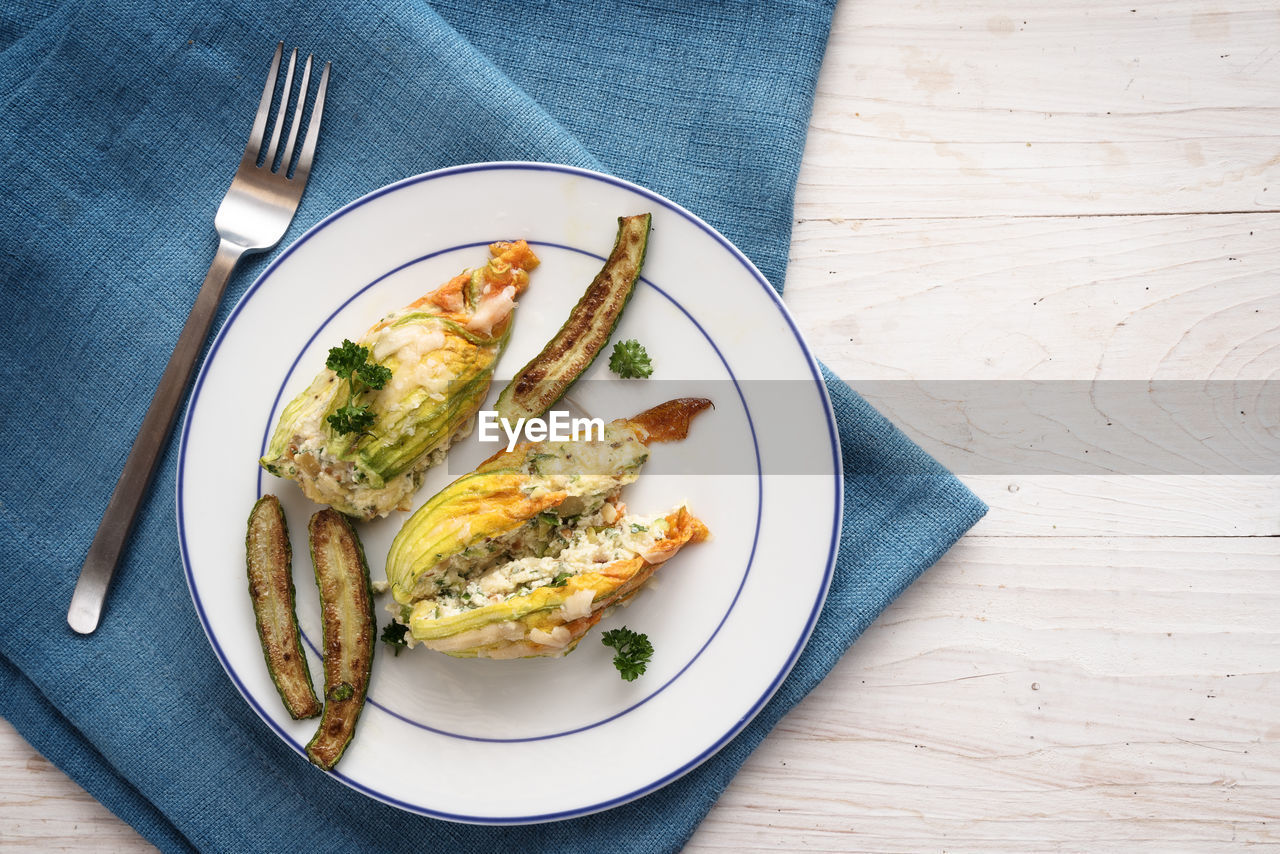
41 809
1035 695
1128 506
1167 298
948 109
1011 299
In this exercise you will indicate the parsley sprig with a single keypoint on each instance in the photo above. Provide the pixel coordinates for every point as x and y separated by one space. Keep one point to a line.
393 635
633 651
629 360
351 363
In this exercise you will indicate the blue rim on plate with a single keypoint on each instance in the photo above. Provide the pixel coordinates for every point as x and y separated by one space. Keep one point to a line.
838 482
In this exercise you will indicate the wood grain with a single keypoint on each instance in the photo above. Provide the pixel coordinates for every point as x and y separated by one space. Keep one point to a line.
1043 298
1128 506
989 107
41 809
1039 694
997 191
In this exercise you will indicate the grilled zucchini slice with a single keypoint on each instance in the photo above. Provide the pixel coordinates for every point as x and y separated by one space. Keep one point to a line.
346 613
270 568
549 374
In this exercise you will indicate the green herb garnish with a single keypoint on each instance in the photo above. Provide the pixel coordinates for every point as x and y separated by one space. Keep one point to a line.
629 360
561 579
393 635
534 462
351 363
634 651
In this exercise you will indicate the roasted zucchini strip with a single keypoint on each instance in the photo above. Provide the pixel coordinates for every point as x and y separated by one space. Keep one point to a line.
550 373
270 566
346 613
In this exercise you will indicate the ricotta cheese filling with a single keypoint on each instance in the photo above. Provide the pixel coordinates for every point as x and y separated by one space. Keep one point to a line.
588 543
325 479
492 310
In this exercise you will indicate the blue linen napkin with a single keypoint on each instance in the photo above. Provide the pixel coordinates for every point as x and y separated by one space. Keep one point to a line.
120 124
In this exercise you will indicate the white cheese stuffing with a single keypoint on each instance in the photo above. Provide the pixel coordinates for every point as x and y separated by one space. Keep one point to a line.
492 310
577 605
413 353
558 636
417 356
474 581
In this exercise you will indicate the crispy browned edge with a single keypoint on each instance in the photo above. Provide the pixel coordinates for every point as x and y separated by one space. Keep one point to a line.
669 422
271 577
338 724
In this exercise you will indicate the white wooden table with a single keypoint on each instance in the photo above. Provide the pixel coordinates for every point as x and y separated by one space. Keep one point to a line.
997 190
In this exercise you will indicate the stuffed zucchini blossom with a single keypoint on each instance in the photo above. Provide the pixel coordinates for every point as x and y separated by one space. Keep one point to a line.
441 350
521 557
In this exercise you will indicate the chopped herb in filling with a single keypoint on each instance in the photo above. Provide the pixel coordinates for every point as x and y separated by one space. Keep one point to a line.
541 554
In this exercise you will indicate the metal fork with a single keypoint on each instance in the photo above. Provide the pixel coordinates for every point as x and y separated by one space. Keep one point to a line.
253 217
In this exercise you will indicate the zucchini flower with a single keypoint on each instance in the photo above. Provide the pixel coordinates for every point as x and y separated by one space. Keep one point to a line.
441 350
522 556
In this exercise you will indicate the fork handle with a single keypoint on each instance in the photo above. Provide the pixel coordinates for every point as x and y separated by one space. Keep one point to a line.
122 509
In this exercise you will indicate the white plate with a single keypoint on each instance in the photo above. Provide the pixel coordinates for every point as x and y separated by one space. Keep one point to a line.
508 742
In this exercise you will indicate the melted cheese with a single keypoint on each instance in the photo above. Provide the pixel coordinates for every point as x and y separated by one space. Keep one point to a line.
587 547
492 310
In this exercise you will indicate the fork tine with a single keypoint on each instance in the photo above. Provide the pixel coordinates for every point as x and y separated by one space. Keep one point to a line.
313 130
264 106
286 156
283 113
